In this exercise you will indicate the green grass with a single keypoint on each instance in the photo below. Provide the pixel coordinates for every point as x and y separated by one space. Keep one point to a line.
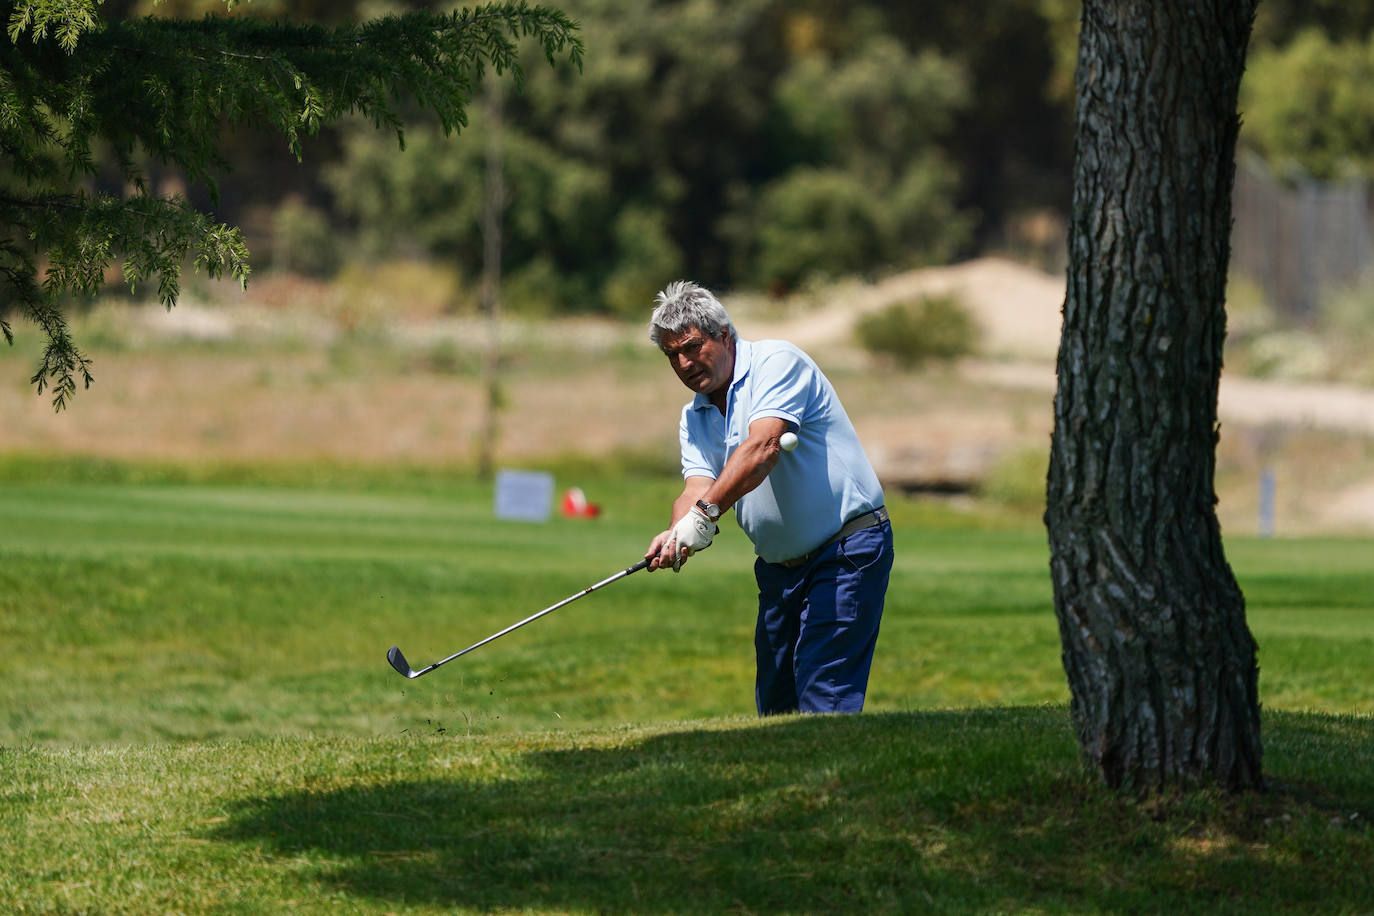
162 608
155 609
938 811
196 716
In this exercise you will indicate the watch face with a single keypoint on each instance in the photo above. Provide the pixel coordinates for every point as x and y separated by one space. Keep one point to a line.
711 509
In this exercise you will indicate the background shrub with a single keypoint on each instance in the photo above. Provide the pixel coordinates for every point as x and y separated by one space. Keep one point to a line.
932 327
304 241
1017 479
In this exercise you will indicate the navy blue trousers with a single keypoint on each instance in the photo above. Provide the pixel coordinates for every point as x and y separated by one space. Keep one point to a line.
818 624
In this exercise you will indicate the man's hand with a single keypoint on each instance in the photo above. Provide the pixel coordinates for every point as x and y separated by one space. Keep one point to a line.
693 532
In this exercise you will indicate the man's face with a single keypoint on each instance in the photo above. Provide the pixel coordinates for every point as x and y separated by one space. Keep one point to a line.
704 364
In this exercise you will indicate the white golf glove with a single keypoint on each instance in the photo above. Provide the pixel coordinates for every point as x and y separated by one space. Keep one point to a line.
694 532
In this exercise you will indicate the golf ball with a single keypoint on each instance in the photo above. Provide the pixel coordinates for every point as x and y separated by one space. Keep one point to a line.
788 441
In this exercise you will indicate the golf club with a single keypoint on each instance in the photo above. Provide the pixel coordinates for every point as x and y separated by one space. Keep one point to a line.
398 661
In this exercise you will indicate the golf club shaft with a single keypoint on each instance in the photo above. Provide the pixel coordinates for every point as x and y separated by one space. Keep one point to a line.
533 617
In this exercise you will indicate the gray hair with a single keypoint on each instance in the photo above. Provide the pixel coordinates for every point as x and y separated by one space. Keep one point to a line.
684 304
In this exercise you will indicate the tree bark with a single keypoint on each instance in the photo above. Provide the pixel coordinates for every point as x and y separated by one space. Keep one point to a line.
1160 662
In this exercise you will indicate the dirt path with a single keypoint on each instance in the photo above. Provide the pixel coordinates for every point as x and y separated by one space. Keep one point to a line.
1245 401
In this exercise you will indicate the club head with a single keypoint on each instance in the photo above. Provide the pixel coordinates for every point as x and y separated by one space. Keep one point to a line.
398 661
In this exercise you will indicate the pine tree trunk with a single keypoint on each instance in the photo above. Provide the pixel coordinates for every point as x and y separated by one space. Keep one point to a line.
1160 662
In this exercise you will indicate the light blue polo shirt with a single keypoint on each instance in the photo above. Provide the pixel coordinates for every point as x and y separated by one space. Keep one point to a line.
814 489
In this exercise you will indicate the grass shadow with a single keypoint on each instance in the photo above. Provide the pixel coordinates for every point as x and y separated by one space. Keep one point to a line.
954 811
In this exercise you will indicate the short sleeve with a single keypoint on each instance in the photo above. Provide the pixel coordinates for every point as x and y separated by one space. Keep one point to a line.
784 386
695 462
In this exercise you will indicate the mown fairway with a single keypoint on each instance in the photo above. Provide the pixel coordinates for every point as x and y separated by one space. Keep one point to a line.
198 715
162 610
156 609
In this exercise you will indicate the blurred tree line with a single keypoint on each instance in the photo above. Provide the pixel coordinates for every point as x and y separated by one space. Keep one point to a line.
754 143
1305 99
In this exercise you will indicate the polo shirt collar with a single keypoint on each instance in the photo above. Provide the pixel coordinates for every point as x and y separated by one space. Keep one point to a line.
744 357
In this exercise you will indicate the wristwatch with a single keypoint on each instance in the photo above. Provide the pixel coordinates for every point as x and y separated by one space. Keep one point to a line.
710 510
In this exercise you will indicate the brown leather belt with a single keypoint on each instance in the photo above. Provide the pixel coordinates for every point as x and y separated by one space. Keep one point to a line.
857 523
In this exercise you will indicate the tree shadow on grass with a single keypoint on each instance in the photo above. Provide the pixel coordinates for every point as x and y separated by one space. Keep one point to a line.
959 811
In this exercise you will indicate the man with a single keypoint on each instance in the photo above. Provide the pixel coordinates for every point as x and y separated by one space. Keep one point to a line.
815 515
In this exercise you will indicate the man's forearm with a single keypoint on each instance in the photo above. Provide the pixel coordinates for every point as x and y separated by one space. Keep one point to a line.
749 465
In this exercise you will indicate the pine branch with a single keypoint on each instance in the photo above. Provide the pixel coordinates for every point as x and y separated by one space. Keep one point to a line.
166 87
62 361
